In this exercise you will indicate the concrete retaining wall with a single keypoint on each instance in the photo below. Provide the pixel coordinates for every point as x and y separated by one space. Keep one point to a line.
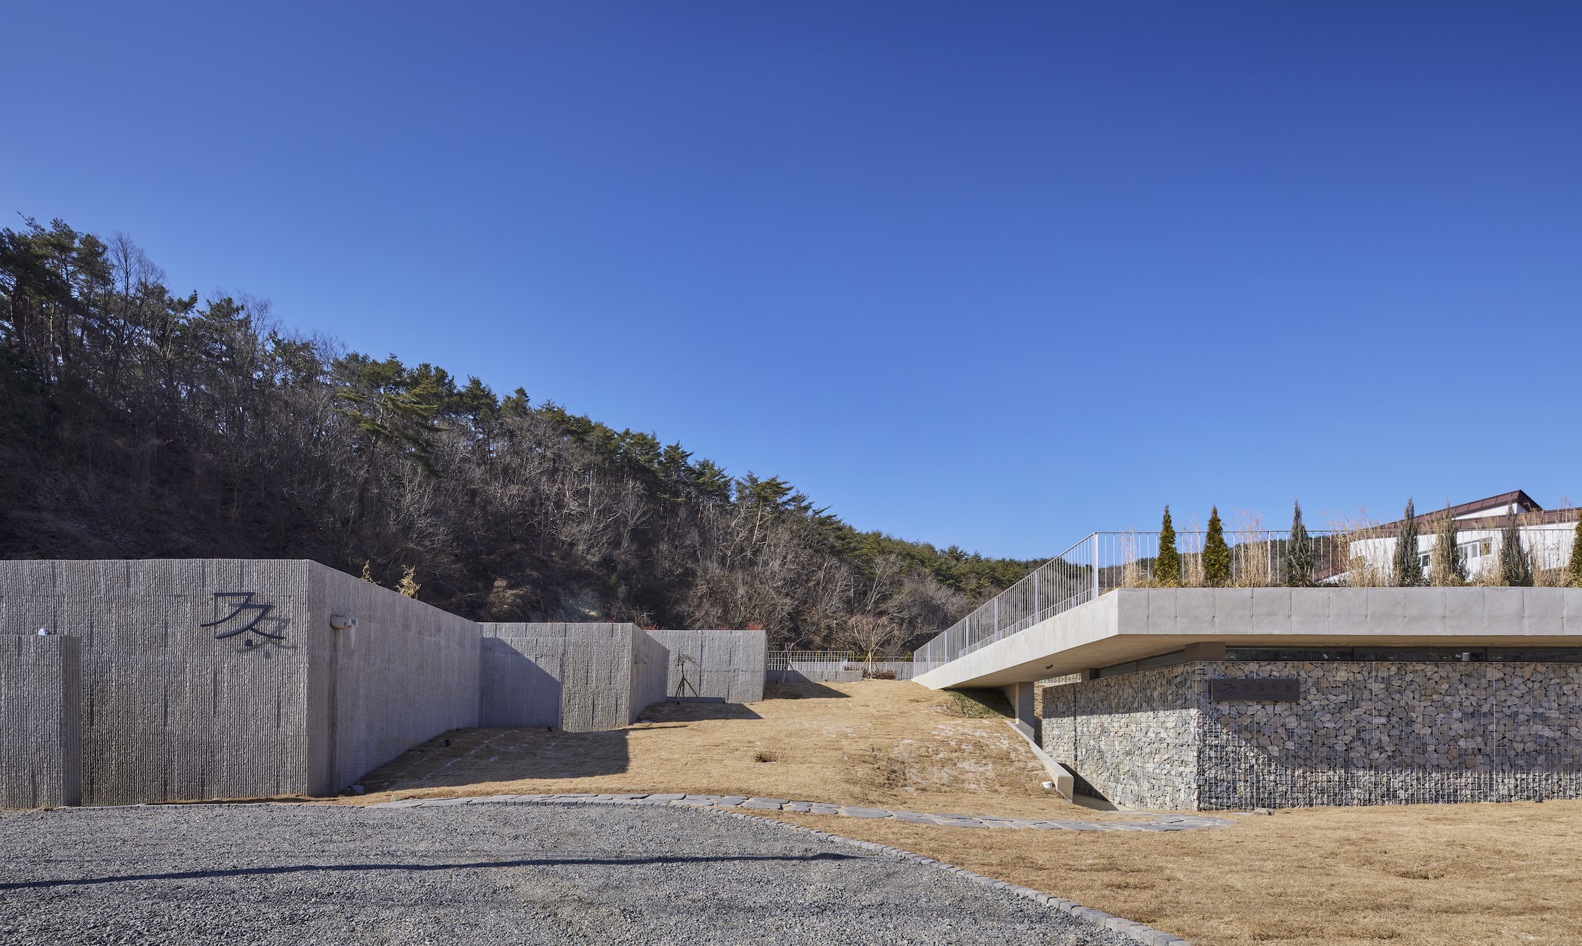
406 673
267 699
650 674
169 709
232 679
40 721
722 665
576 677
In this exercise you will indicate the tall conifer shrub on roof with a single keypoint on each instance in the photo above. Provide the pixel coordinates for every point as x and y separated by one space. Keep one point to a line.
1298 564
1167 567
1408 572
1445 567
1515 570
1574 569
1216 554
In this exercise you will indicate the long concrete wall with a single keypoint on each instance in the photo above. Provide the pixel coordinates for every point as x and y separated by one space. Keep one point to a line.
404 674
40 721
720 665
230 679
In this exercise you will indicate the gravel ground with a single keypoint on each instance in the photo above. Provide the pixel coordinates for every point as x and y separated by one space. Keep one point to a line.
294 874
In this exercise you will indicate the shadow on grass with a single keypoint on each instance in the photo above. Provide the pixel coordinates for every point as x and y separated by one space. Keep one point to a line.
982 704
688 711
806 690
474 756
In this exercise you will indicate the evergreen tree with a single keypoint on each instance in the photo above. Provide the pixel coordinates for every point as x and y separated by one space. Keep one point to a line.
1298 553
1216 554
1167 567
1446 568
1574 570
1408 572
1515 570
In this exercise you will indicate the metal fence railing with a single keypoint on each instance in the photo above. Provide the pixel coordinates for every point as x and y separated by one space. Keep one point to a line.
1104 561
827 661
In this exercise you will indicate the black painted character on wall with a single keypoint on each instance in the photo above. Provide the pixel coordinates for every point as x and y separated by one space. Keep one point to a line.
246 606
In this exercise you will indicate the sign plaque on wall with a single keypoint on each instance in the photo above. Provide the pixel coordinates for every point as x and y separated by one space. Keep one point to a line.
1246 689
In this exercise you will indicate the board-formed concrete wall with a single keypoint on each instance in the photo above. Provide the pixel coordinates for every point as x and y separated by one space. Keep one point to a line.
720 665
650 676
224 678
40 721
404 674
172 709
576 677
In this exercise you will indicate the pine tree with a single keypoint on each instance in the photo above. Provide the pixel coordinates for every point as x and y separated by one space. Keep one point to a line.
1408 571
1446 568
1574 570
1515 570
1216 554
1298 553
1167 567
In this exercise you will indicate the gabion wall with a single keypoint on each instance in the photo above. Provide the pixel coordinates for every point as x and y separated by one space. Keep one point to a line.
1132 739
1363 733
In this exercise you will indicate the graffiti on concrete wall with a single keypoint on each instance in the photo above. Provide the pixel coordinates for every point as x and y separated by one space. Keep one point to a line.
242 605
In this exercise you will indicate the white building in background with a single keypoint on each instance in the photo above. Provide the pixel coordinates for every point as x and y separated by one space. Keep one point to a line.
1547 534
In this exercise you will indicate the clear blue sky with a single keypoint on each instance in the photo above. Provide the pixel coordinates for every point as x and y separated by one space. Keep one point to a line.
984 274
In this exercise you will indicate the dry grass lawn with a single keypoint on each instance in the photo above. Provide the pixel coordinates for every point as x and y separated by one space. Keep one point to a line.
876 743
1413 876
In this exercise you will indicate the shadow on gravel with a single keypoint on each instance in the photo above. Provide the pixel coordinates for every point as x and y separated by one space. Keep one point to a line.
474 865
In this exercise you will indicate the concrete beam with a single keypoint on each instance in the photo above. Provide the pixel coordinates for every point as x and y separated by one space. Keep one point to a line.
1133 623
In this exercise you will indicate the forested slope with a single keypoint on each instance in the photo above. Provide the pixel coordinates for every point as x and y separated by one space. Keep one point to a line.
139 423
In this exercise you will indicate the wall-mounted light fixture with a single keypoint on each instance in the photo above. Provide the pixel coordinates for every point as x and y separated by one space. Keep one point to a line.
341 622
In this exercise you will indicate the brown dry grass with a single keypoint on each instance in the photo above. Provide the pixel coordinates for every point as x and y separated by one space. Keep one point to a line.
876 743
1413 876
1451 875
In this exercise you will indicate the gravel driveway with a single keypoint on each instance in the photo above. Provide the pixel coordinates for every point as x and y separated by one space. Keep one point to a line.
306 874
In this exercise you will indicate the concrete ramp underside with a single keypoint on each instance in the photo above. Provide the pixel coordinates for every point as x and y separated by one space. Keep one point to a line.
1134 624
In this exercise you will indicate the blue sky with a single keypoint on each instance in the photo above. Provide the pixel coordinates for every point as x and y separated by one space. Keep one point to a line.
992 275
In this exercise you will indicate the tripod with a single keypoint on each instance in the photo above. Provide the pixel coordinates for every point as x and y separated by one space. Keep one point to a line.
682 683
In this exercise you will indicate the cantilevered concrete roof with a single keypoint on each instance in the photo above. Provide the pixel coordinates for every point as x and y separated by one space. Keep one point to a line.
1130 624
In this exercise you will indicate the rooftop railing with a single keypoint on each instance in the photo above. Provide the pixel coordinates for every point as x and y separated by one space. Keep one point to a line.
1105 561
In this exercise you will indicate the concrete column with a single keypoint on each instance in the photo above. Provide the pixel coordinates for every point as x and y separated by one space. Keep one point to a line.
1021 697
40 721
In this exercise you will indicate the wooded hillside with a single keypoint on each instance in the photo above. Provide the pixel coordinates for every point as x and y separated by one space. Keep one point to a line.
139 423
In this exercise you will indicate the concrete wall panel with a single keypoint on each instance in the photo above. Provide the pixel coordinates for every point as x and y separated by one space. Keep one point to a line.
172 709
406 673
726 665
40 721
